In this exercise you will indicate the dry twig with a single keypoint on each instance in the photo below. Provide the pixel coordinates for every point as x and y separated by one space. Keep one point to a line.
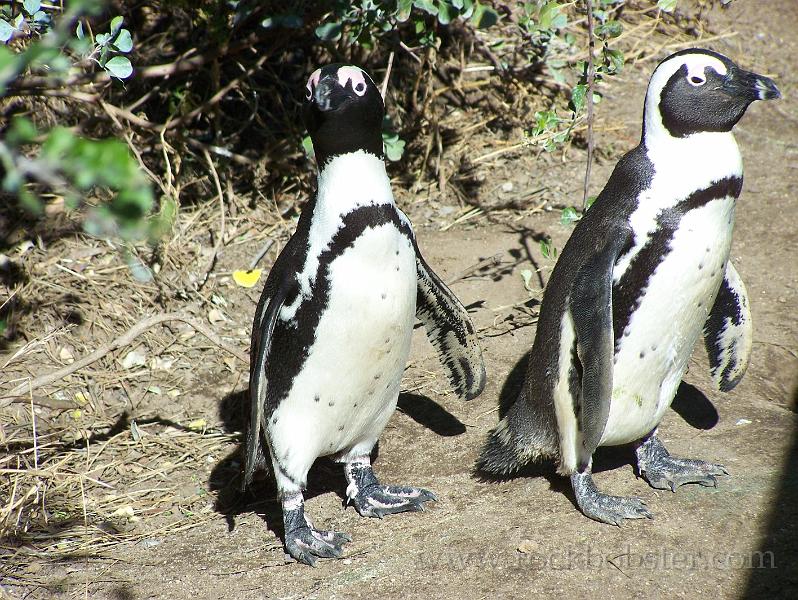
120 342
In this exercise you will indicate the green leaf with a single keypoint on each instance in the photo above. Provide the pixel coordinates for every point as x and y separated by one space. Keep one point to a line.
615 60
394 148
79 30
446 12
548 15
569 215
116 25
610 29
578 95
31 6
428 6
41 17
102 39
22 131
547 249
123 41
484 16
589 202
119 67
329 32
667 5
307 146
403 8
30 202
6 31
467 8
288 21
138 269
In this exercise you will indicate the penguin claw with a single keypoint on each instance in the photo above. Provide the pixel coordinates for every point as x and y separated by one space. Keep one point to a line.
604 508
306 544
380 500
663 471
616 509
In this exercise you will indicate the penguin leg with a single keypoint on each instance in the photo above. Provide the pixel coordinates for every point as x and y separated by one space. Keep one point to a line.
602 507
303 541
372 499
665 472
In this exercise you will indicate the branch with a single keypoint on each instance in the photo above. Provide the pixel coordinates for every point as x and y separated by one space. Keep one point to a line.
591 75
121 341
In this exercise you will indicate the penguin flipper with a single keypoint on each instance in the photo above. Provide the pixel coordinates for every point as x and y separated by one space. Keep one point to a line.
450 330
268 311
590 304
728 333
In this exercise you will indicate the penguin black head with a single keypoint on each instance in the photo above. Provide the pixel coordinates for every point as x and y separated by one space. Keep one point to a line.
697 90
343 112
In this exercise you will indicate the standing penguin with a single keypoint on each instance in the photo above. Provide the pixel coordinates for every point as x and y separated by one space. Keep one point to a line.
332 330
645 271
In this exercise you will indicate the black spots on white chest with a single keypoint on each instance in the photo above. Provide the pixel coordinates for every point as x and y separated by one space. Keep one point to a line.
688 246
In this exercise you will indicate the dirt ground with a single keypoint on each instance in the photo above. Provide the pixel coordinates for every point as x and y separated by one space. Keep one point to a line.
524 537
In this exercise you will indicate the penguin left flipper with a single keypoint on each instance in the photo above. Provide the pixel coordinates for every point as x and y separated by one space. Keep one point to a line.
450 330
728 333
590 307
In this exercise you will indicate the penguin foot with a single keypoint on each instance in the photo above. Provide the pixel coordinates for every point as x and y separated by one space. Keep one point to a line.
602 507
380 500
304 542
665 472
372 499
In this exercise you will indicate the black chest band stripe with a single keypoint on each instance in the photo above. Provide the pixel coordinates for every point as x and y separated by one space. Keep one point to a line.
628 292
298 335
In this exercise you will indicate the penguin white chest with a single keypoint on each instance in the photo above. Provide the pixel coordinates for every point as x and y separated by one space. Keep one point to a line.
652 355
347 389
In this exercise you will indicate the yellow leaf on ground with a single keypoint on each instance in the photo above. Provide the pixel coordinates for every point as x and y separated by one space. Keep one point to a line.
198 425
247 279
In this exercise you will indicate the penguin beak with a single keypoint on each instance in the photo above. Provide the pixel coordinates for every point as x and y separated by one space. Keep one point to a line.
323 93
751 85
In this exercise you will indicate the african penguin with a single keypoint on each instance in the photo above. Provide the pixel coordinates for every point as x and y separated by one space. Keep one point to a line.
644 273
332 331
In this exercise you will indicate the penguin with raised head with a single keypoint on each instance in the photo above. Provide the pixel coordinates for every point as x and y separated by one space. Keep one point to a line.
644 274
332 331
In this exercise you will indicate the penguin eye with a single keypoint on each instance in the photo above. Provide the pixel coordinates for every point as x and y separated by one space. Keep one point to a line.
696 80
360 88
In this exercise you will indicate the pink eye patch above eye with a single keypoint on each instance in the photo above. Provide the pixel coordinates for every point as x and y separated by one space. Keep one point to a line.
313 80
356 76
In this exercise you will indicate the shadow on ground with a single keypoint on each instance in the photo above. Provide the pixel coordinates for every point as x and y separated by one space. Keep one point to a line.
772 570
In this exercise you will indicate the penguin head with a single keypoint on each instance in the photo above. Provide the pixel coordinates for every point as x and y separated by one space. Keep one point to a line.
696 90
343 112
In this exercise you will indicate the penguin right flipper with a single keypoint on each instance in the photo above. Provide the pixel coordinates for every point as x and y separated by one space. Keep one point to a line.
728 333
590 307
275 291
450 330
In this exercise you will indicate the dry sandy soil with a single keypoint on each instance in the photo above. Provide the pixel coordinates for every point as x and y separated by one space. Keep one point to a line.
524 536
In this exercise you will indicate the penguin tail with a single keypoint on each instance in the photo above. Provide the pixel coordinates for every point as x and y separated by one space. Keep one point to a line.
520 438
